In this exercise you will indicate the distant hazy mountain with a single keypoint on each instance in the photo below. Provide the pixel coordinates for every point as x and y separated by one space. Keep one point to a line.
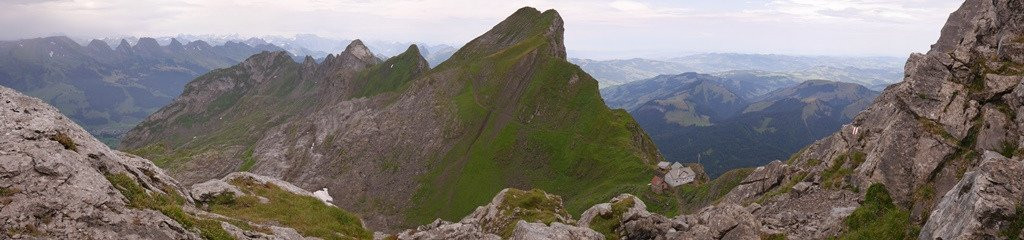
744 84
109 90
318 47
739 118
874 72
620 71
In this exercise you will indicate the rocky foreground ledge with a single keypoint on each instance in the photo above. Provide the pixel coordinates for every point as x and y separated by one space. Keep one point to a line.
534 214
58 182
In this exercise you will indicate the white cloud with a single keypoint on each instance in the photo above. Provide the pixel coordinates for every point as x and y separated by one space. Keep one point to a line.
864 10
620 28
629 6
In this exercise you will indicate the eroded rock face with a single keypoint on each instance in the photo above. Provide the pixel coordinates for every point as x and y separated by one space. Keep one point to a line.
976 208
503 218
53 185
603 209
724 221
959 100
440 229
58 182
762 180
539 231
811 213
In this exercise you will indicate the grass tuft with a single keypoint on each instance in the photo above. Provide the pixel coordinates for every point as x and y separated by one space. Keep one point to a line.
66 141
531 206
307 215
247 161
877 218
935 128
833 177
607 223
1016 221
777 236
695 197
169 204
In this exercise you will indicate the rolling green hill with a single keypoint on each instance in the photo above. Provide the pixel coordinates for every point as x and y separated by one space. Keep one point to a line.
740 119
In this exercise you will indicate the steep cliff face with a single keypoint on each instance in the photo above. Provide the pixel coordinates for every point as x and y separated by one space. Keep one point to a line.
408 144
918 139
58 182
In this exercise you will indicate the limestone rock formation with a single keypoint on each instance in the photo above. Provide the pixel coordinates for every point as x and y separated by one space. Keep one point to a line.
975 208
762 180
920 137
539 231
58 182
53 180
512 214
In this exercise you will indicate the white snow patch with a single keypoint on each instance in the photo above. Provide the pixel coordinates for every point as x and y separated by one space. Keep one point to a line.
324 196
51 54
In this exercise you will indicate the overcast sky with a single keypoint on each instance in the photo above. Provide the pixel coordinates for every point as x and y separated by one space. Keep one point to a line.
595 29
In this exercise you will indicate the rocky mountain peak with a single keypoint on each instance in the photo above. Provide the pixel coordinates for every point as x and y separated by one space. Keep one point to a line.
124 46
267 60
62 40
198 45
525 26
147 44
175 44
413 49
308 60
360 51
356 56
96 44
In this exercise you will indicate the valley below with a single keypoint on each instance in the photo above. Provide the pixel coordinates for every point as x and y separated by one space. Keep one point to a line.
508 137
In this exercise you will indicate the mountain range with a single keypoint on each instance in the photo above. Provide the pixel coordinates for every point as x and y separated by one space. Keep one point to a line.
109 90
873 72
408 143
301 45
936 156
737 119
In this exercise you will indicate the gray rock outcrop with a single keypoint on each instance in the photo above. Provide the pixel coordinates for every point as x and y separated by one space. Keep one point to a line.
556 231
58 182
53 184
762 180
500 215
976 208
439 229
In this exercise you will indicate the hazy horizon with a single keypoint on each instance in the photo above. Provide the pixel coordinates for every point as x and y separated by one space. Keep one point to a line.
618 29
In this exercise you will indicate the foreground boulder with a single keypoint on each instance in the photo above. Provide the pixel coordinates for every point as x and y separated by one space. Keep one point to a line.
54 180
976 208
512 213
58 182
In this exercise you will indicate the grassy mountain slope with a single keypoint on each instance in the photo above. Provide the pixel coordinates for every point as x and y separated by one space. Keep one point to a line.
406 144
540 122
